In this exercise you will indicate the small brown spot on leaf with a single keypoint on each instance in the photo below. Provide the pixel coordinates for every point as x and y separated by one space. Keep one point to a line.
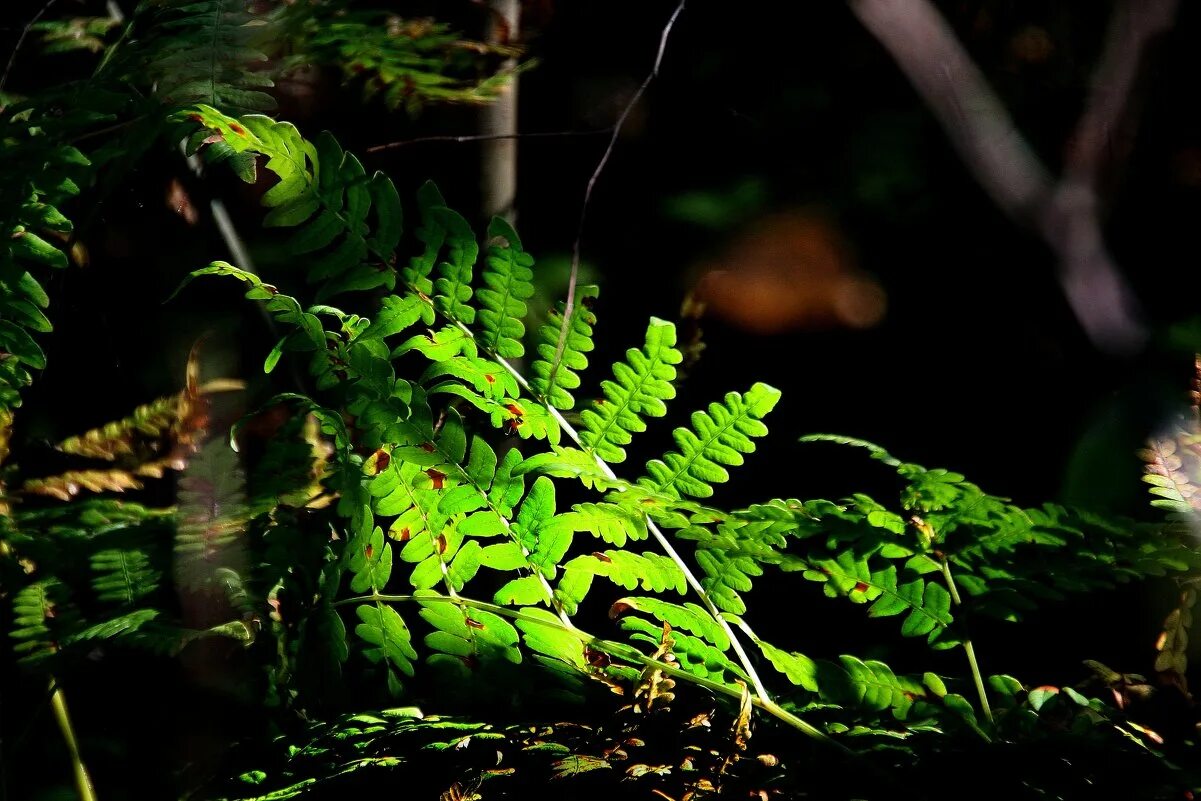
618 609
382 460
428 447
473 623
437 477
369 551
600 556
861 586
440 544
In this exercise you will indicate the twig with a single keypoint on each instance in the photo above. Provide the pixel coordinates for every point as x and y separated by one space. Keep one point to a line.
419 140
21 40
569 306
1064 212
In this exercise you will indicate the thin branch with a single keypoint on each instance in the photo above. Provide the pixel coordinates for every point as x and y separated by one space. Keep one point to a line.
569 306
420 140
12 59
986 138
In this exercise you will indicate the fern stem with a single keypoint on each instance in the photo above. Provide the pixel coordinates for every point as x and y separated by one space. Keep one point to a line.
620 650
690 577
968 648
83 782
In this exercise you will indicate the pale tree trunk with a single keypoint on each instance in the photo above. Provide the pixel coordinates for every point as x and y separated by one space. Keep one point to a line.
498 173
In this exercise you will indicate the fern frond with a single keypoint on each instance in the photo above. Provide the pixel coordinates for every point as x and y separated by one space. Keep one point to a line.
554 382
349 223
198 51
507 286
695 655
123 575
39 618
688 617
385 631
627 569
406 62
114 628
718 439
463 637
65 486
1170 479
641 385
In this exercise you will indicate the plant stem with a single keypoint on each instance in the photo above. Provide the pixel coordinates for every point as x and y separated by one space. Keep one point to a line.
620 650
83 781
968 649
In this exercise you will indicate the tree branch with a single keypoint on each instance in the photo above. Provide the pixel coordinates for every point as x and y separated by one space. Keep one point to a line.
1064 212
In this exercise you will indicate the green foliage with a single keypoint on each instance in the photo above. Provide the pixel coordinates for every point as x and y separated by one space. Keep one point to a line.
199 51
404 62
391 539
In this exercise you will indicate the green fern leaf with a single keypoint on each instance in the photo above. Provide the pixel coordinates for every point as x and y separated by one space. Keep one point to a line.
116 627
544 634
688 617
370 562
800 669
695 656
123 575
570 463
624 568
641 385
507 286
385 631
718 439
38 619
470 633
554 382
198 51
349 223
610 522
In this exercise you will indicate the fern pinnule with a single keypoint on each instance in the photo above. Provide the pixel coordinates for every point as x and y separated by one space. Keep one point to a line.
639 388
507 286
554 382
718 439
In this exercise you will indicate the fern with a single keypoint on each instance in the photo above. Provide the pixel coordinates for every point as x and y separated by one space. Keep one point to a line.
322 191
641 385
197 51
406 63
554 381
718 438
506 278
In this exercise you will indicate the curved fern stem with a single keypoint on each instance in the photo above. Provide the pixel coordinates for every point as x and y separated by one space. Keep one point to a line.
83 782
690 577
968 649
620 650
